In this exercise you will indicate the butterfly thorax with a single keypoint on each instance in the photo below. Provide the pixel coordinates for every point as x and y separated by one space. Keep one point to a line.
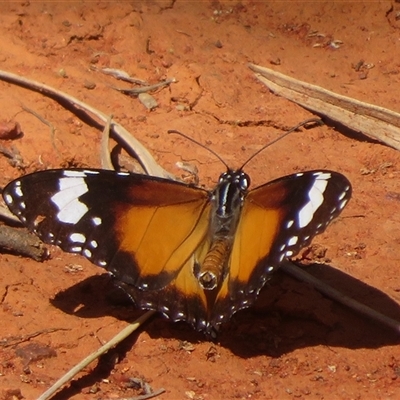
227 201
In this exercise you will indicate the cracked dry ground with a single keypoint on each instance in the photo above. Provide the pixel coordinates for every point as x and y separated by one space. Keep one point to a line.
294 343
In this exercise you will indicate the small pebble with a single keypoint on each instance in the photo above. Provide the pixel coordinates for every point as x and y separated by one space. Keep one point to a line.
89 85
10 130
148 101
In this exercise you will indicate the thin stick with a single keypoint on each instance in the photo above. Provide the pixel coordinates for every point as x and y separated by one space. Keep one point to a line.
145 89
15 340
106 162
44 121
303 276
119 74
103 349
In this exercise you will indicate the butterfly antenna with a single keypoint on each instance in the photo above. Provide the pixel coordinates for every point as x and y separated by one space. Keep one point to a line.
201 145
295 128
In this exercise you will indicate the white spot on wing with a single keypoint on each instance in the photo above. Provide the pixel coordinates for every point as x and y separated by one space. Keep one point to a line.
73 173
293 240
8 199
96 221
73 212
87 253
316 198
305 215
67 199
342 204
77 237
18 191
289 224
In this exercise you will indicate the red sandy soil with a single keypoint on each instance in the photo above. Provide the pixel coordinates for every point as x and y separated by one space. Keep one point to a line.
294 343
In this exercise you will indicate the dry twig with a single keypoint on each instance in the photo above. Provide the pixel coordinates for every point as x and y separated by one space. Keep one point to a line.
293 270
122 135
22 242
103 349
106 162
375 122
44 121
145 89
15 340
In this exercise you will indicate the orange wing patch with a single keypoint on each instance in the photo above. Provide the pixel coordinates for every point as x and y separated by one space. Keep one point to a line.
182 299
160 237
259 224
253 243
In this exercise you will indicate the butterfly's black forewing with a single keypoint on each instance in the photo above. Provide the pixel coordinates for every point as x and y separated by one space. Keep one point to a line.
97 212
55 205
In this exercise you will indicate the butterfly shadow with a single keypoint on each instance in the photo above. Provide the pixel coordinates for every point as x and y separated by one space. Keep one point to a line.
95 297
287 315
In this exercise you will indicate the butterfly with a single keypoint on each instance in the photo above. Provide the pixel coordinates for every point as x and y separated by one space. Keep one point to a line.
189 253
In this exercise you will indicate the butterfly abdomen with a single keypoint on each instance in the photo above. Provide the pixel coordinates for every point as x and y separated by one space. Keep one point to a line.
212 269
227 201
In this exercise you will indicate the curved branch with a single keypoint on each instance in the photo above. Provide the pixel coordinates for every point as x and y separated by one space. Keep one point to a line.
143 155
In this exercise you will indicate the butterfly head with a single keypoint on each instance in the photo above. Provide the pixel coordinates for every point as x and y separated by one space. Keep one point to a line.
230 192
